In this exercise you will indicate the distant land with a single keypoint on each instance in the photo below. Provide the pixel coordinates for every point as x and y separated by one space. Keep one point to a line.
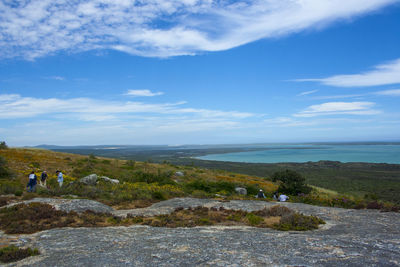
356 178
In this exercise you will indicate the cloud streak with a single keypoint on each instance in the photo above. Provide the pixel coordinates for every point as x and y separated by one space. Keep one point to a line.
161 28
143 92
16 106
339 108
384 74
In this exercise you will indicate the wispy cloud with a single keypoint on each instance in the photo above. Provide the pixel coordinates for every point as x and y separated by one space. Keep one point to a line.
339 108
16 106
307 93
339 96
143 92
58 78
384 74
161 28
393 92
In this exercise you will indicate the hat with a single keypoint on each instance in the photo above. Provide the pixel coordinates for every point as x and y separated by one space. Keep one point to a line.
260 190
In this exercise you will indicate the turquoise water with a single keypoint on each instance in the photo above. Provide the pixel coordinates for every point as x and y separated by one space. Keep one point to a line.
304 153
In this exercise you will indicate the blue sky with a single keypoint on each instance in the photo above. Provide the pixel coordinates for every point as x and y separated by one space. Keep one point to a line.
199 71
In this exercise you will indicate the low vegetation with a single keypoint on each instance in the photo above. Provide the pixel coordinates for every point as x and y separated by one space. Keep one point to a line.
144 183
33 217
141 183
13 253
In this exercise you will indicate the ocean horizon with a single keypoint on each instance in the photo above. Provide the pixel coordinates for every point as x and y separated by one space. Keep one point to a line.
299 153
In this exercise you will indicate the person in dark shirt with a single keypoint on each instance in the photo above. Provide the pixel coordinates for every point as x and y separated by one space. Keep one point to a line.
260 194
43 179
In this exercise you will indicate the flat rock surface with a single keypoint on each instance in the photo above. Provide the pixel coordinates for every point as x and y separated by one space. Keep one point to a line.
350 238
78 205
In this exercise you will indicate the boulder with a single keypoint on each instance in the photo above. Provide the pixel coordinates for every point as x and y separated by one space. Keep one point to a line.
179 173
113 181
241 190
89 180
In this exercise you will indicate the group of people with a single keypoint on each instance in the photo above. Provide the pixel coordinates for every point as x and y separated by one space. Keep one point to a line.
31 186
276 196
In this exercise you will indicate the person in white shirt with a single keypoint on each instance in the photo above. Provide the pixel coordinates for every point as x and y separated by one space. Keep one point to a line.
283 198
60 178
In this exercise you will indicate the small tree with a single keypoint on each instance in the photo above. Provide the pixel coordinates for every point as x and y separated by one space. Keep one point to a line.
3 145
291 182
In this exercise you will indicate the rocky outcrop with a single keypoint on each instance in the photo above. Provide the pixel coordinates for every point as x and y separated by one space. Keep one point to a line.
78 205
241 190
349 238
89 180
179 174
113 181
92 179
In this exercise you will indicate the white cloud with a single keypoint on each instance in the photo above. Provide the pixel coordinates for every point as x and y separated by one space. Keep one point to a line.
307 93
15 106
339 108
143 92
384 74
58 78
340 96
161 28
394 92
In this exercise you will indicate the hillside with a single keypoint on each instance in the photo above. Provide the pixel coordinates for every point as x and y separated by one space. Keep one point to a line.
141 183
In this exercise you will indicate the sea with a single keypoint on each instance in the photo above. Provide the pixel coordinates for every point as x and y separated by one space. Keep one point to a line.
371 153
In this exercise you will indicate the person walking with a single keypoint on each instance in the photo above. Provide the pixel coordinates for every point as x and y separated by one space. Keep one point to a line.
60 178
43 178
32 182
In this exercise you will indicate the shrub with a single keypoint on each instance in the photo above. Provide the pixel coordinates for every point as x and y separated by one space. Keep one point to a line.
158 195
160 178
254 219
24 218
292 182
13 253
3 145
4 171
277 210
374 205
298 222
210 186
252 189
10 187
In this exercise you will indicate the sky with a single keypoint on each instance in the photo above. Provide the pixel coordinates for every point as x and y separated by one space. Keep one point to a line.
171 72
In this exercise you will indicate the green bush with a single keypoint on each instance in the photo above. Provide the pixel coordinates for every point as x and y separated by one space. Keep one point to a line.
252 189
3 145
4 171
292 183
210 186
254 219
298 222
145 177
13 253
10 187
